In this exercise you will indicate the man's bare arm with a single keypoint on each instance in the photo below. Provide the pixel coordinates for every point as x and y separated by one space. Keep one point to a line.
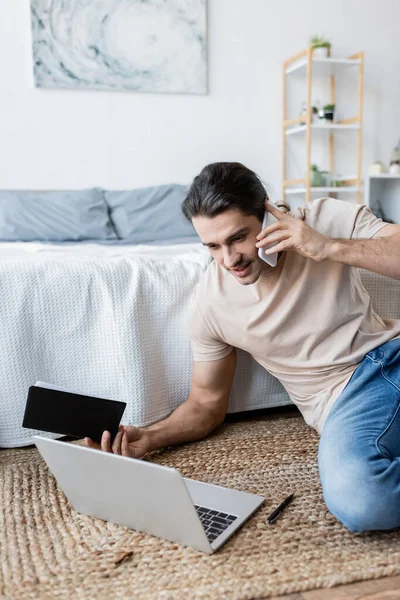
378 255
204 409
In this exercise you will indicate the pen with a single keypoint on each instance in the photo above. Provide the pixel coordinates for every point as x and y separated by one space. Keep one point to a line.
273 516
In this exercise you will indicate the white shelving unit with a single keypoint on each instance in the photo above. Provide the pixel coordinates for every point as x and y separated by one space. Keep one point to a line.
348 189
322 127
321 65
305 63
383 191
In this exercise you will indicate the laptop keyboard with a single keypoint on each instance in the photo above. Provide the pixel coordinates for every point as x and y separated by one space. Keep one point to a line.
213 521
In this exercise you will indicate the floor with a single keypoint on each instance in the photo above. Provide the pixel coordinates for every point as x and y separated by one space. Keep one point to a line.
386 588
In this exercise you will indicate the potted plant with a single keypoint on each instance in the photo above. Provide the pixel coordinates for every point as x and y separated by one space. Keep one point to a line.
315 176
377 168
394 166
314 113
326 178
303 112
320 46
329 112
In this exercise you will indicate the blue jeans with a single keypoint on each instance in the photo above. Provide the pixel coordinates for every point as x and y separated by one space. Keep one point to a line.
359 449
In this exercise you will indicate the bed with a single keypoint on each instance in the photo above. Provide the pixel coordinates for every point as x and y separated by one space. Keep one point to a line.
108 317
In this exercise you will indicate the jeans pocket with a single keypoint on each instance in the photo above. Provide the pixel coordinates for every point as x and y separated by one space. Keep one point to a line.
391 366
388 355
388 442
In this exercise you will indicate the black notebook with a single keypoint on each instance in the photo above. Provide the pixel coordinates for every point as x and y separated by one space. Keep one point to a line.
72 414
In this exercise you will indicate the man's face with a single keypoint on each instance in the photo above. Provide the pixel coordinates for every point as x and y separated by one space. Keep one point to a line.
231 239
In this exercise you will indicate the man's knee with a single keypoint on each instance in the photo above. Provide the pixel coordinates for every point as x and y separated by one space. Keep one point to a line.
361 501
359 513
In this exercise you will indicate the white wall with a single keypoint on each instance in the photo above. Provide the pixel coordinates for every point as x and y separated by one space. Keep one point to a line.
65 139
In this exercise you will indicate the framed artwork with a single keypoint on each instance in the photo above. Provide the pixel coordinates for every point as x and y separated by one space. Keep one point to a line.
136 45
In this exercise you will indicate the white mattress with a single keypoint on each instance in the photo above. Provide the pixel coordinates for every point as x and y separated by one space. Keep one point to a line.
98 249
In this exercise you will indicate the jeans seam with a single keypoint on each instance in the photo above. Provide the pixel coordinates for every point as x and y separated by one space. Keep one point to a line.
395 412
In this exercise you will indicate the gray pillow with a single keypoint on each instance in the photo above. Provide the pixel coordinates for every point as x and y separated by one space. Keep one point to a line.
54 216
151 214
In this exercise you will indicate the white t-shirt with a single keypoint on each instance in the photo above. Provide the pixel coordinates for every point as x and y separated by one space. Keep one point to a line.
307 323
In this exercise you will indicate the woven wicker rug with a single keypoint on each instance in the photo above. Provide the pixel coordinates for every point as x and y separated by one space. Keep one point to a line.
50 552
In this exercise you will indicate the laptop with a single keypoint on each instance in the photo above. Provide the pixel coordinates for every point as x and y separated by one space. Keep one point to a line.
147 497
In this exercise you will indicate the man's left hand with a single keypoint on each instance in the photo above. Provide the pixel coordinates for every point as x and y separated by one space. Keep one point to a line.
293 234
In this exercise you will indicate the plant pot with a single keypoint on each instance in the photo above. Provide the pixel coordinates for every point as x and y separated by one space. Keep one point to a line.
376 168
329 114
326 179
320 52
316 179
394 168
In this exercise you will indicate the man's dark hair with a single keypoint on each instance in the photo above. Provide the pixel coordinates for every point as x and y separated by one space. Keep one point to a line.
225 186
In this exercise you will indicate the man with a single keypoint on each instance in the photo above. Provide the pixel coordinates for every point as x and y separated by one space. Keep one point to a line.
309 322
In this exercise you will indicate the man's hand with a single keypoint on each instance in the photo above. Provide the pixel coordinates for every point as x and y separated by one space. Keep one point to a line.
195 418
129 441
293 234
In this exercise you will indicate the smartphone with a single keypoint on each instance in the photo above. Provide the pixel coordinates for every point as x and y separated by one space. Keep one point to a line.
270 259
71 414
